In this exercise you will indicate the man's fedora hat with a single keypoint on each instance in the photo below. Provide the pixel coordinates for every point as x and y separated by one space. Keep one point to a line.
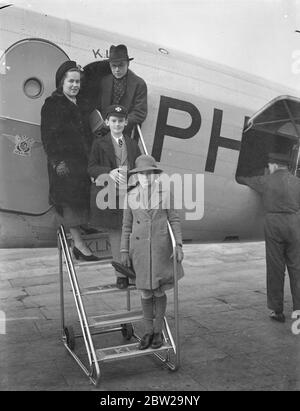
278 158
145 163
118 53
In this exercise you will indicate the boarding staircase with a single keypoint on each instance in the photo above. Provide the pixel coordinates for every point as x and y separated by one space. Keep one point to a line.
119 321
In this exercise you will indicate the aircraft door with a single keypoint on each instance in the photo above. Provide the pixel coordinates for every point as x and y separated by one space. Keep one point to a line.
27 71
275 128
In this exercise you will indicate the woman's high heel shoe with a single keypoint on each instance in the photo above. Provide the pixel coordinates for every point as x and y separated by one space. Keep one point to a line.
78 254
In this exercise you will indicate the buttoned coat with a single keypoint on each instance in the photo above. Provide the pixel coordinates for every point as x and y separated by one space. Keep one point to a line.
64 139
134 99
145 236
102 161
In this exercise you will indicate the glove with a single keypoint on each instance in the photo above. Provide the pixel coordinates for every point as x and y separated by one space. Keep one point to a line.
125 259
62 169
179 254
102 131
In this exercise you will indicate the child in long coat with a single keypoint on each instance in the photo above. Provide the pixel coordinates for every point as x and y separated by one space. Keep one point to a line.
146 245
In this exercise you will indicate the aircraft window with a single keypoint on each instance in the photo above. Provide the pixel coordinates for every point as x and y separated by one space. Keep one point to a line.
33 88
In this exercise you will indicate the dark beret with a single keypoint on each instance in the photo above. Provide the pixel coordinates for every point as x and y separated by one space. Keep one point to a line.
62 69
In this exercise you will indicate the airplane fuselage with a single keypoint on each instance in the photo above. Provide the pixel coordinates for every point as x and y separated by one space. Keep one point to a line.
197 112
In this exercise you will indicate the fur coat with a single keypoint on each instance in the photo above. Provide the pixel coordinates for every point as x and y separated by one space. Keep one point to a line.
64 140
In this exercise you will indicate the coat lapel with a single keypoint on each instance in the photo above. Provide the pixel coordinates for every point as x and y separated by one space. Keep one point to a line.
130 89
135 198
157 198
129 152
108 147
107 87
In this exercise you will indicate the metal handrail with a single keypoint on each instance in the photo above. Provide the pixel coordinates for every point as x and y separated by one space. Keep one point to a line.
65 250
92 357
142 139
176 310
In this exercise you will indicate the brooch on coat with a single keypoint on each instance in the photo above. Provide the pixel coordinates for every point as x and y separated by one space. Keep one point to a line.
23 145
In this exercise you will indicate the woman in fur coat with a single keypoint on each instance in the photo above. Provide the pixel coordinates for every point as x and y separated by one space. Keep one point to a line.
67 149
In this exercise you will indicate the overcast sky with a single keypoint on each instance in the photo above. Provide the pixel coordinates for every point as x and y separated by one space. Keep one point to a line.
257 36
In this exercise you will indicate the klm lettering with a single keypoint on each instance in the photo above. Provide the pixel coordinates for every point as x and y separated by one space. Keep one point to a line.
102 54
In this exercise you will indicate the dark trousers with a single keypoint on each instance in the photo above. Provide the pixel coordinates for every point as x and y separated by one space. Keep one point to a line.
115 243
282 236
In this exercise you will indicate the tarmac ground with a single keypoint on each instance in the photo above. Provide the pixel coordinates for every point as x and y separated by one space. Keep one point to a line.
227 341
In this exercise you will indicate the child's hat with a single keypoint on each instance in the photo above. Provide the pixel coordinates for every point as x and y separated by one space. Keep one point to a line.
145 163
118 53
116 110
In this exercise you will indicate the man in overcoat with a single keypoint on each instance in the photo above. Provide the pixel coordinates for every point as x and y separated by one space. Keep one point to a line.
122 86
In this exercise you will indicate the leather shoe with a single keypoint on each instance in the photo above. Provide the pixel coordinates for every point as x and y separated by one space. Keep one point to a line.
157 341
79 255
122 282
277 317
145 341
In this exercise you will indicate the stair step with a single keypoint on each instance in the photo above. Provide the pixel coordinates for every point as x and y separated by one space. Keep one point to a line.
104 260
120 317
82 263
89 237
126 351
105 289
98 243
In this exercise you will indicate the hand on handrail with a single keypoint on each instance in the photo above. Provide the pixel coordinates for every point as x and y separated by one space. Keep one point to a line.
125 259
179 254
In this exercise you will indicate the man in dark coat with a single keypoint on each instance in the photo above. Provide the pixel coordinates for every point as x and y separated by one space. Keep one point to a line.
280 192
123 87
110 156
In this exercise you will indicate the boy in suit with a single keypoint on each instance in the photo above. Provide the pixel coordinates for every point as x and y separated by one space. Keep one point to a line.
112 154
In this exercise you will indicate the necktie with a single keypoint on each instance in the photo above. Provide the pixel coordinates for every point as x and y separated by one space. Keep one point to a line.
120 142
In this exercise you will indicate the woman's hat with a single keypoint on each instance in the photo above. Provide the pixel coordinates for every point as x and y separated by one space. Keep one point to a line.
63 68
118 53
145 163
